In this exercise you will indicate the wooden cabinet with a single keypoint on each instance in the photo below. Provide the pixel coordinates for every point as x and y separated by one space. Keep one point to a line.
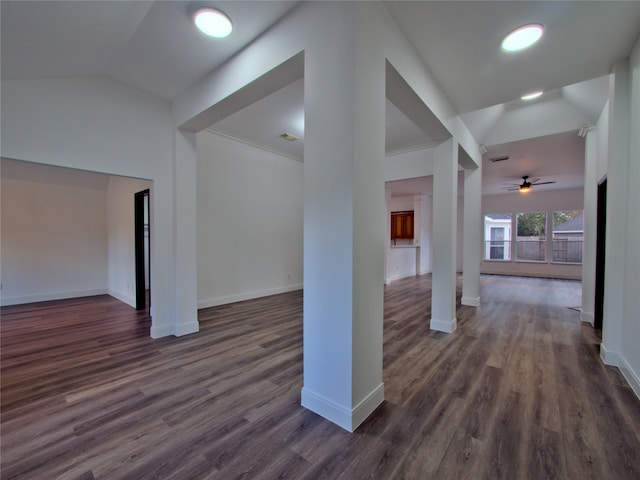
402 225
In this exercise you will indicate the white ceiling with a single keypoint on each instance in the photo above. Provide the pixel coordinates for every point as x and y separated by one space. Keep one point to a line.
153 46
461 43
563 155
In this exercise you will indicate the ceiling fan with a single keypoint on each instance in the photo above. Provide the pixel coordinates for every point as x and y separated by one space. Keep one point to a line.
526 184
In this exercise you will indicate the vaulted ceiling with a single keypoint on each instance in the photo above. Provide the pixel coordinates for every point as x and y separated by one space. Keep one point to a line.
153 46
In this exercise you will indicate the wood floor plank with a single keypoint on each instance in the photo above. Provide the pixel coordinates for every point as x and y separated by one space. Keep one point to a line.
517 391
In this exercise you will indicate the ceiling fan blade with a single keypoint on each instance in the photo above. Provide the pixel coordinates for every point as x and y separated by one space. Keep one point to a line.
512 189
541 183
508 184
534 180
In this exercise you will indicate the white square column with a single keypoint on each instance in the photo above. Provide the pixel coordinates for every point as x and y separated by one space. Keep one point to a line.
616 239
445 198
185 262
590 209
344 217
472 240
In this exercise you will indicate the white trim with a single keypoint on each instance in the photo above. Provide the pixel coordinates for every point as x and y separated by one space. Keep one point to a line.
347 418
123 298
259 146
366 407
158 332
400 151
630 376
471 301
186 328
517 273
239 297
393 278
46 297
444 325
615 359
587 317
609 358
326 408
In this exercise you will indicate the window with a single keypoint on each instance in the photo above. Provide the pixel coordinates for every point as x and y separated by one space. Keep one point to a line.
497 236
530 237
568 236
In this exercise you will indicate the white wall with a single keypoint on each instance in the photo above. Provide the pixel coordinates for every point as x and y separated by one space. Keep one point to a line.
630 364
403 261
250 226
121 236
602 140
426 228
536 120
402 203
53 235
542 201
417 163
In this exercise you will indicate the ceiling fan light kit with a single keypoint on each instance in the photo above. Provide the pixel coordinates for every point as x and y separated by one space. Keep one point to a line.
526 184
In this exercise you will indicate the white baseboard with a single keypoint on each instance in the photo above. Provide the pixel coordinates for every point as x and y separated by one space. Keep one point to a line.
46 297
123 298
239 297
347 418
186 328
367 406
161 331
176 330
630 376
586 317
609 358
444 325
471 301
615 359
393 278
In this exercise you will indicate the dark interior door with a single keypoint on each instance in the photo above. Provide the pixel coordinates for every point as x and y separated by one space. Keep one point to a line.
142 237
600 254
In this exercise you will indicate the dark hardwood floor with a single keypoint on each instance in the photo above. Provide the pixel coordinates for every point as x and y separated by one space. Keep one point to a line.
516 392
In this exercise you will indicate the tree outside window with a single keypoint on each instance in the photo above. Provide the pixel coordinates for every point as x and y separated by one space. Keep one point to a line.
530 236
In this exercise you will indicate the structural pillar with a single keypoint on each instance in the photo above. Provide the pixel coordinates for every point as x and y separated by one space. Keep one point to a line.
616 246
445 198
344 215
590 215
387 201
185 258
472 240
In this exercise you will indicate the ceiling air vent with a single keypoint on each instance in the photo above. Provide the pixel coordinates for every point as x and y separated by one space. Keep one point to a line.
289 136
498 159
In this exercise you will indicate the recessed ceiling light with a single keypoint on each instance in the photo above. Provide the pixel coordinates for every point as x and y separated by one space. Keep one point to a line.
213 22
522 37
531 96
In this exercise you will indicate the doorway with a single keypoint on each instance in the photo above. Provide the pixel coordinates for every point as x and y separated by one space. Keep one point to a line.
601 227
142 249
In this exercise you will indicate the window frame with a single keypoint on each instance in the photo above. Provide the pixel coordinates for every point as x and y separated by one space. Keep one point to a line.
542 240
